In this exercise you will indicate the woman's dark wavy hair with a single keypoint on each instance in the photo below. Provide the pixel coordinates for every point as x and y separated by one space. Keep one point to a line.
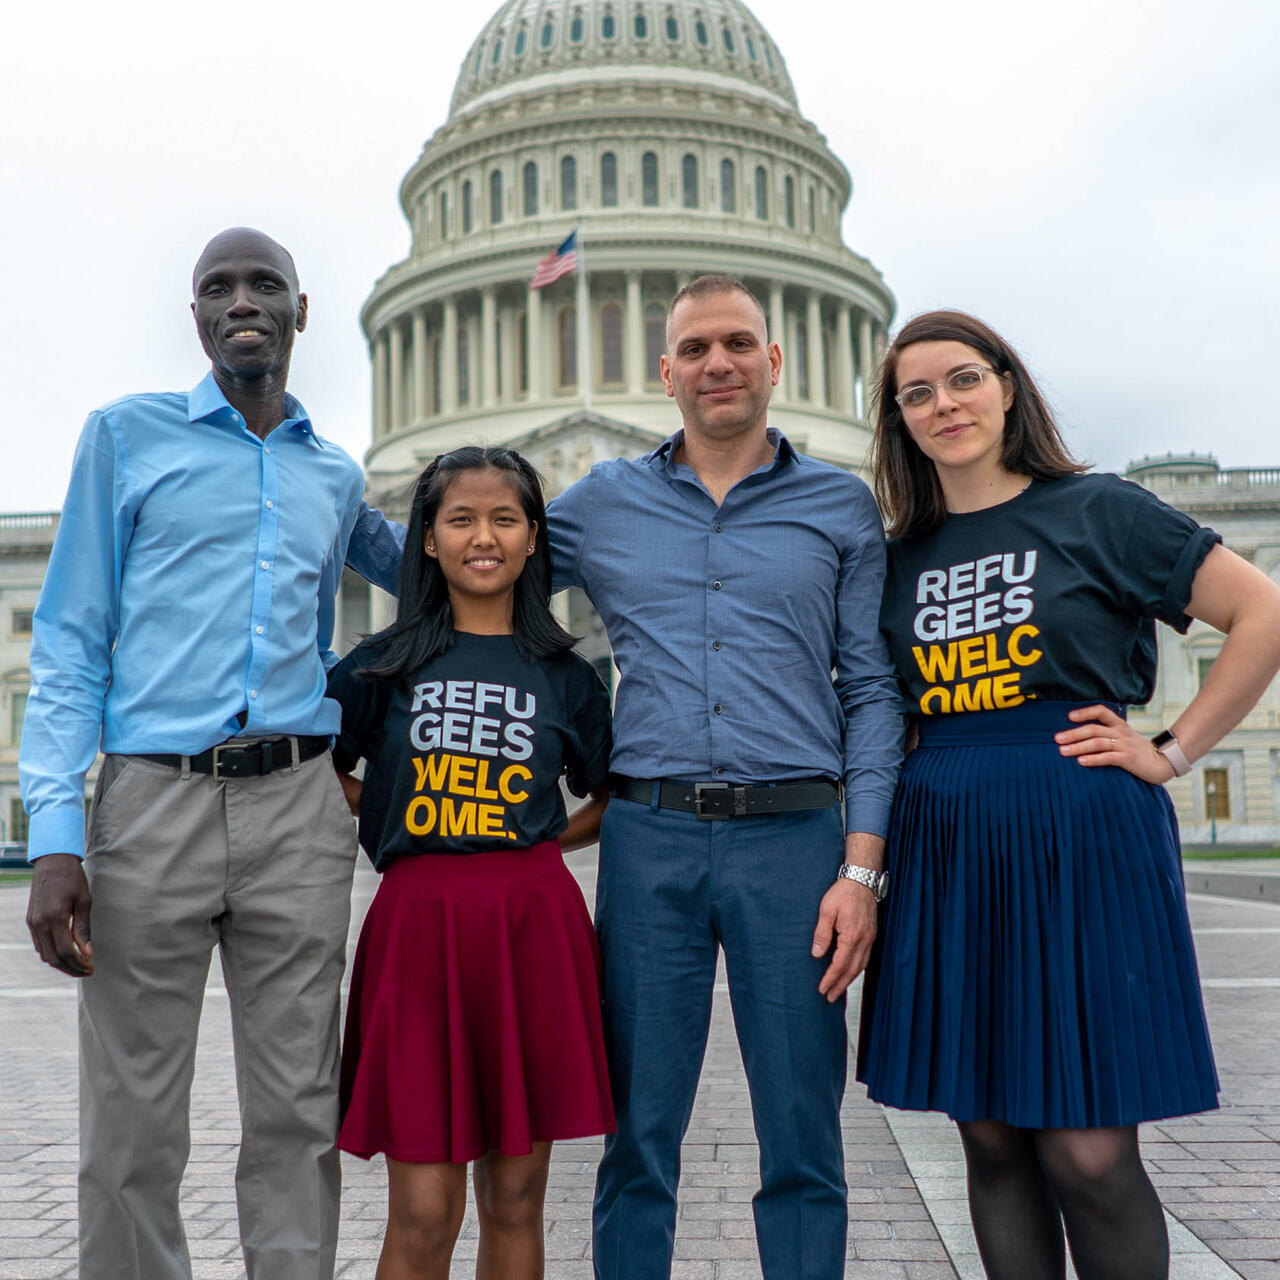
906 482
423 628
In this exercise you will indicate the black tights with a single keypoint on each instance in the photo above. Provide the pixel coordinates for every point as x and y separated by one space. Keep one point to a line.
1025 1184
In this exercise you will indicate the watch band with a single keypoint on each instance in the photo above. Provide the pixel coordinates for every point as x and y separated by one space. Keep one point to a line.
876 881
1169 747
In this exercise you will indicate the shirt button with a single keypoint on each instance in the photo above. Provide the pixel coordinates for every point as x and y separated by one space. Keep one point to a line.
715 586
717 709
264 564
715 644
718 527
253 693
719 770
270 504
266 449
258 630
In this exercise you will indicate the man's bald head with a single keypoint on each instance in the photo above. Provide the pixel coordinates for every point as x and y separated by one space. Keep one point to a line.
242 242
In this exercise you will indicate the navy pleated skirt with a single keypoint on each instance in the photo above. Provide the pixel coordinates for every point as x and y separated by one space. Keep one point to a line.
1035 962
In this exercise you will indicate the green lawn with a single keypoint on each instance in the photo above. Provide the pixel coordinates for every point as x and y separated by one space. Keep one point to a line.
1221 852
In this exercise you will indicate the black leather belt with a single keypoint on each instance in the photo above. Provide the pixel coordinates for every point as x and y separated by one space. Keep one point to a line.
716 800
232 759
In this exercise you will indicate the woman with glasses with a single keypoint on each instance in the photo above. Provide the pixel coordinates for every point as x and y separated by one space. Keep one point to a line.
1035 977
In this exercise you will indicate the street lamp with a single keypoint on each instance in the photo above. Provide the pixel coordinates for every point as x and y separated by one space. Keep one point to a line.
1212 791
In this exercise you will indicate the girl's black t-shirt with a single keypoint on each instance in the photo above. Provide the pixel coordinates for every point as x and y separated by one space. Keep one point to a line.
1051 595
468 759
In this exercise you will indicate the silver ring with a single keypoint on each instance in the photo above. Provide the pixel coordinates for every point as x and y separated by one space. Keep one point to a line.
1113 744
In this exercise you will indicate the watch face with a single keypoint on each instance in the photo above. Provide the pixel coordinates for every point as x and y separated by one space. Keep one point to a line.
1162 739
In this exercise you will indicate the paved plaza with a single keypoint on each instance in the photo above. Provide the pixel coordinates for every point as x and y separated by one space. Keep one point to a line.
1218 1174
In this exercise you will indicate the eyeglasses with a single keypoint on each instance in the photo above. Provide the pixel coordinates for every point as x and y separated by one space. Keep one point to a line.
961 384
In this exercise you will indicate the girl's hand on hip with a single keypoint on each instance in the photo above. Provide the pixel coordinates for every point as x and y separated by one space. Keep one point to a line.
1105 738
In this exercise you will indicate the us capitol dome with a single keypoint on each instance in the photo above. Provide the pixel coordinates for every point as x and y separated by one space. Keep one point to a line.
670 133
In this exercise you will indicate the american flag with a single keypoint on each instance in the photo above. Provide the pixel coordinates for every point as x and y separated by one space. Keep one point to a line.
559 262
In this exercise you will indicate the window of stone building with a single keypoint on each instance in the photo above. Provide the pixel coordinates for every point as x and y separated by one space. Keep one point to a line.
1202 668
568 183
18 826
673 27
640 25
655 341
521 41
567 331
611 344
689 180
522 353
495 197
576 28
649 178
768 55
802 360
751 49
727 36
444 215
497 51
700 31
17 710
608 26
464 365
467 213
608 180
762 193
20 622
789 200
548 34
1217 794
475 70
809 203
728 187
530 189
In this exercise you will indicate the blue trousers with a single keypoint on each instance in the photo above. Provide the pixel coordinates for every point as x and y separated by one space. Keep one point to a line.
671 891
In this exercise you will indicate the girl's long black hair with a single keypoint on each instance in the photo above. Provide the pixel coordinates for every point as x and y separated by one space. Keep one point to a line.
424 617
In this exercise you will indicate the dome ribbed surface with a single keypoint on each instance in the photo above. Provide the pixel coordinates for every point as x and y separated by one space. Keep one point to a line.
527 39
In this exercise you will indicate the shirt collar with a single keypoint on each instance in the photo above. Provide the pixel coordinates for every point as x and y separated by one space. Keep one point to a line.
206 403
663 455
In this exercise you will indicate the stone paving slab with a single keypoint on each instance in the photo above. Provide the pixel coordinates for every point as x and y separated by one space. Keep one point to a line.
1218 1174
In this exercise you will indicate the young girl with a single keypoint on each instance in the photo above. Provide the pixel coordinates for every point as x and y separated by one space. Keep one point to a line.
473 1029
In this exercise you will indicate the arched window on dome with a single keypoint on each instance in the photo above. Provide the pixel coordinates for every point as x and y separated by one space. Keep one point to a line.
640 25
700 33
689 180
768 55
728 187
808 199
475 70
608 26
521 43
609 180
444 215
497 51
727 36
530 189
802 360
673 27
467 212
568 183
495 197
649 178
547 35
577 28
751 49
611 344
464 365
762 193
567 333
655 341
789 200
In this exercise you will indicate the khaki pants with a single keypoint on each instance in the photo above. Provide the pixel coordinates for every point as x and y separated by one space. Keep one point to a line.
261 869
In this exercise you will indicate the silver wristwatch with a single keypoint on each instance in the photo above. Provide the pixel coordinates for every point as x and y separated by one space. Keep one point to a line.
876 881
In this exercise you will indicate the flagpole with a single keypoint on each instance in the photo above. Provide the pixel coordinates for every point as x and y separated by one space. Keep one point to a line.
584 325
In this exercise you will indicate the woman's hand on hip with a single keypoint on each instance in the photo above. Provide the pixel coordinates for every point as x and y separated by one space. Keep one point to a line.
1105 738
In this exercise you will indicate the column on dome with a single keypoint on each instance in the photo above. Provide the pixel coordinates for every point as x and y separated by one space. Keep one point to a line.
421 354
533 339
844 358
634 354
449 358
380 385
486 353
813 326
395 372
778 334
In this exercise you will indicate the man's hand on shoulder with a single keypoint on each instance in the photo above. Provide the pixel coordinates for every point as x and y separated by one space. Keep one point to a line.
848 914
58 914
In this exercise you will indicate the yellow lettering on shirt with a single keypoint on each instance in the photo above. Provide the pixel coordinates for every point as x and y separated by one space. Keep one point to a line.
505 779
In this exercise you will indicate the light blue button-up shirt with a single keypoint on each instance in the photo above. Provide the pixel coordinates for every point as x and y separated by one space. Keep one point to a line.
192 580
727 622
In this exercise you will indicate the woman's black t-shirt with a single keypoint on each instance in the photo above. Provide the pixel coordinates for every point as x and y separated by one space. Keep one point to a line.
468 759
1051 595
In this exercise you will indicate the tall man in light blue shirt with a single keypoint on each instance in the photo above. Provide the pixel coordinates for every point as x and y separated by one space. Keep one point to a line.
734 576
184 625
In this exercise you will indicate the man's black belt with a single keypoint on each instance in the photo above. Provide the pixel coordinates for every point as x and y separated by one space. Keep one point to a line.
232 759
713 800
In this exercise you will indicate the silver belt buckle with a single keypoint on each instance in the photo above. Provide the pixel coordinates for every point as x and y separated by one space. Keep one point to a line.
217 758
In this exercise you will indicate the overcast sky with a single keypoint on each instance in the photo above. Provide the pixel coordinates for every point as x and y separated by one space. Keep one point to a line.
1099 179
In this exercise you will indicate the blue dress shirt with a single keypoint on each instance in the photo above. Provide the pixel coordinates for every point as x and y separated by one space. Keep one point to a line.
192 580
728 621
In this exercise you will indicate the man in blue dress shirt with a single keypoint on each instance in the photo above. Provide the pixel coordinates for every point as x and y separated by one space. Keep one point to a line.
185 624
734 576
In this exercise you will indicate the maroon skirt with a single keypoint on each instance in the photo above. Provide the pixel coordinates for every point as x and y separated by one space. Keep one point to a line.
473 1023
